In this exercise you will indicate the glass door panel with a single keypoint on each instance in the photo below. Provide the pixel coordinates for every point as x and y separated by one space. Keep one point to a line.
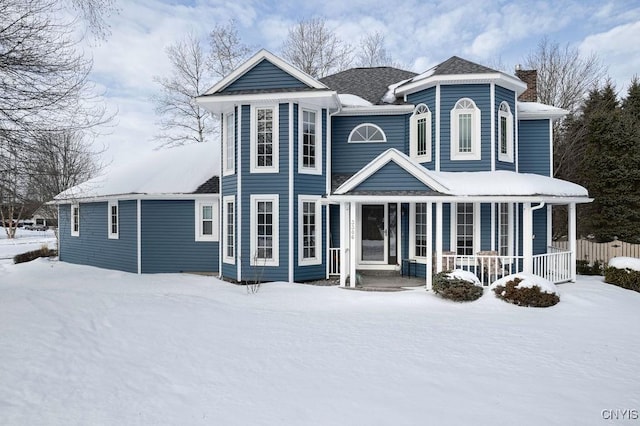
373 233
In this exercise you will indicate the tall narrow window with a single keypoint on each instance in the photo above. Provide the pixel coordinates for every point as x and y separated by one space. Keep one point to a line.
505 133
264 139
264 230
465 131
112 208
308 139
420 134
464 229
229 144
421 230
309 228
75 220
229 248
206 221
504 225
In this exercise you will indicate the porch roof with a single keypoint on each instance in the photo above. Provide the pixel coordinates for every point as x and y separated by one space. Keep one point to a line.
499 184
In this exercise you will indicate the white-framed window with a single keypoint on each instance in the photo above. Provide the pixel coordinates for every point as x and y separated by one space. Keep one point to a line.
420 134
207 220
505 229
113 219
264 139
505 133
264 230
465 242
367 133
309 230
229 145
418 231
75 220
229 229
310 141
465 131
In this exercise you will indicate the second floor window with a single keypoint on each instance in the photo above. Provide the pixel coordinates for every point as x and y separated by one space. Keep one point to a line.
366 133
264 139
420 134
465 131
229 144
310 142
505 133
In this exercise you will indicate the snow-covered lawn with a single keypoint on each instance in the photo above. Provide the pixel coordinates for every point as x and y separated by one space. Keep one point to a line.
23 242
86 346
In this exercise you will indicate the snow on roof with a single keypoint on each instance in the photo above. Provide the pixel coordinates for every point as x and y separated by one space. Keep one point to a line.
390 96
538 110
503 182
348 100
179 170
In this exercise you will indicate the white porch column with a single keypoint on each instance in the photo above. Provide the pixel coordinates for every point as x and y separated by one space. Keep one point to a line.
344 243
527 238
572 239
429 264
352 245
439 236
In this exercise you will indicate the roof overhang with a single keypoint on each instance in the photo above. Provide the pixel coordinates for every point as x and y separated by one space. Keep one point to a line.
220 103
377 110
539 111
337 198
499 78
131 196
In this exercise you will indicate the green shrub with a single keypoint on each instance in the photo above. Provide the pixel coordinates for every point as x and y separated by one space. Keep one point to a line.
625 278
525 296
43 251
584 268
455 289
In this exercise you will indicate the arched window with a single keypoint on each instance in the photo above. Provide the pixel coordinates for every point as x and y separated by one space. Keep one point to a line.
505 133
465 131
420 134
367 132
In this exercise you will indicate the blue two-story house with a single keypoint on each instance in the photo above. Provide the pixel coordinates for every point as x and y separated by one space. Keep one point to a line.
384 169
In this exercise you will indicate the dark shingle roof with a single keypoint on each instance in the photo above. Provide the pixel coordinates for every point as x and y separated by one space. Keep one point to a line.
368 83
211 186
456 65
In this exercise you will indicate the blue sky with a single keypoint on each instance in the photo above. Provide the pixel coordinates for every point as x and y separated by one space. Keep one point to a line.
419 34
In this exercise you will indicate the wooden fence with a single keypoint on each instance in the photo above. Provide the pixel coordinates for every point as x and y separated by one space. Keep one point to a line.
601 252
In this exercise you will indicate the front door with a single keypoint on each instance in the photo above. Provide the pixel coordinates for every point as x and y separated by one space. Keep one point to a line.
378 234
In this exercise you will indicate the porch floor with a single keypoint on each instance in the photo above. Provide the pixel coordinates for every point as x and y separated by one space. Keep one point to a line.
385 281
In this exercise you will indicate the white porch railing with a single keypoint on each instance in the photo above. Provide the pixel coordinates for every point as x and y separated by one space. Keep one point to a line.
334 261
554 266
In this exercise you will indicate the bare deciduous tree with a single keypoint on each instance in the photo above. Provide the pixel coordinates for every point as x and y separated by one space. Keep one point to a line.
227 49
315 49
182 120
95 13
372 53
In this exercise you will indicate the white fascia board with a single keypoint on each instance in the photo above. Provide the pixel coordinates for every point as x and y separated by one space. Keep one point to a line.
501 79
257 58
377 110
338 198
552 113
406 163
127 197
218 103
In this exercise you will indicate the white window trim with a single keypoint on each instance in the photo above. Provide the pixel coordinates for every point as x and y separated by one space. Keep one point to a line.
110 234
226 200
475 153
254 168
317 260
198 222
421 111
75 233
384 136
226 153
453 242
317 170
412 234
508 157
275 260
510 229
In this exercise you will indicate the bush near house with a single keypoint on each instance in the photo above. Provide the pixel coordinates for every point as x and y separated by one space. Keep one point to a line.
625 278
448 286
43 251
527 295
584 268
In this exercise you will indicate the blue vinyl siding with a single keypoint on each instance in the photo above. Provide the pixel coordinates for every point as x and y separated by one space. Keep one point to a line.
334 211
168 239
534 147
93 247
504 95
427 97
449 95
348 158
392 177
265 183
485 226
540 230
264 75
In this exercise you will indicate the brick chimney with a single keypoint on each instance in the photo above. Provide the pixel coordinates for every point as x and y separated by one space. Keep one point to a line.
530 77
